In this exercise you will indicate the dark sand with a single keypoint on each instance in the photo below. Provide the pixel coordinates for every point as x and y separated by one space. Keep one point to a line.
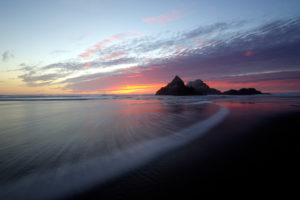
256 148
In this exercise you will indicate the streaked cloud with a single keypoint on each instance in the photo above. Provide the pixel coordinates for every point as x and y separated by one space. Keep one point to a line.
277 81
33 80
249 53
166 18
138 59
6 55
106 43
114 55
56 52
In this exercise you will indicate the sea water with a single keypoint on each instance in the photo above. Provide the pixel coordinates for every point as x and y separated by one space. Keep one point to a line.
54 146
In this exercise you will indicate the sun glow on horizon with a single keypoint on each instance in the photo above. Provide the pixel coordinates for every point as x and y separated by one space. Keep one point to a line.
137 89
132 52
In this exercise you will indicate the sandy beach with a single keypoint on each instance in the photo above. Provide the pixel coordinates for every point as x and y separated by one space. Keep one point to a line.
256 148
160 99
147 147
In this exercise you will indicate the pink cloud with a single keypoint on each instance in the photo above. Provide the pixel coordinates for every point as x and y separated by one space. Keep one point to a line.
249 53
165 18
90 50
114 55
103 44
84 55
204 43
87 65
288 85
200 41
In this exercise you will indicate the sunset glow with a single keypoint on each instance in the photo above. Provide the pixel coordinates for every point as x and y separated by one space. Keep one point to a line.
137 89
138 52
133 99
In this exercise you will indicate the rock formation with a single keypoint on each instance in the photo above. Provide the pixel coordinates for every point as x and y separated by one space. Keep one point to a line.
201 88
176 87
243 91
198 87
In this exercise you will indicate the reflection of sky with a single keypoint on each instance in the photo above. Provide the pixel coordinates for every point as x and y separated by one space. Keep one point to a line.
103 46
84 130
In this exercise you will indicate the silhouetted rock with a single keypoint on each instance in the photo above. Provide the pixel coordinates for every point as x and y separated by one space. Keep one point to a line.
243 91
201 88
176 87
198 87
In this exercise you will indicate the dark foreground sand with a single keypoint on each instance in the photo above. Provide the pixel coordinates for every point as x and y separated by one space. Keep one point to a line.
256 148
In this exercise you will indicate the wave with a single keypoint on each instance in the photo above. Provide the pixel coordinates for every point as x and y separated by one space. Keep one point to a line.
70 179
136 97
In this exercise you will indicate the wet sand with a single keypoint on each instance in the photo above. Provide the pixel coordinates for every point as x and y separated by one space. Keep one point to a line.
256 148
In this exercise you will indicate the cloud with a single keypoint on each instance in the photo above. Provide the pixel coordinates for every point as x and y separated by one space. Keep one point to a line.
232 50
79 38
33 80
249 53
263 76
25 67
213 28
55 52
77 66
165 18
225 57
107 42
64 66
114 55
34 76
278 81
84 55
7 55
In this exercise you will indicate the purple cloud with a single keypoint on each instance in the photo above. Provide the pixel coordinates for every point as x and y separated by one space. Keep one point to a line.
231 51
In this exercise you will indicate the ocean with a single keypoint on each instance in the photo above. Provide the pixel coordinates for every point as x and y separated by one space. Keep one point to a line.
52 146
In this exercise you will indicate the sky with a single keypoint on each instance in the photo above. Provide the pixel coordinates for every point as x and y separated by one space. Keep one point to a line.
136 47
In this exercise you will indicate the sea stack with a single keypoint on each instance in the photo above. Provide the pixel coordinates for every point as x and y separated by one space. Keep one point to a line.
202 88
198 87
243 91
176 87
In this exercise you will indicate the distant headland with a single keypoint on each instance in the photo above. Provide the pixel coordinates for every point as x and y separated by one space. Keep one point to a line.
178 88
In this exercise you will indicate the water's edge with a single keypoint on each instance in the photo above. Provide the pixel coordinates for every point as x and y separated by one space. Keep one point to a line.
71 179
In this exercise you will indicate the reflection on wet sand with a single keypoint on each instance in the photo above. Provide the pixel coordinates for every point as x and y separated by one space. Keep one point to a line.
38 136
76 143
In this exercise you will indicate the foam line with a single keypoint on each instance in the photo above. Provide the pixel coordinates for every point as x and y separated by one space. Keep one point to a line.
71 179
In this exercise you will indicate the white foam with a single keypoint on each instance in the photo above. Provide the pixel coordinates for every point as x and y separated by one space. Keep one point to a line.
71 179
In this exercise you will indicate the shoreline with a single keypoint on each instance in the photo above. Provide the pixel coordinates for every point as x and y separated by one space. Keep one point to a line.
87 174
227 158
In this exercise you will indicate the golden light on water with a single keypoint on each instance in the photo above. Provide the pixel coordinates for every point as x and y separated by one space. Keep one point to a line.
137 89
